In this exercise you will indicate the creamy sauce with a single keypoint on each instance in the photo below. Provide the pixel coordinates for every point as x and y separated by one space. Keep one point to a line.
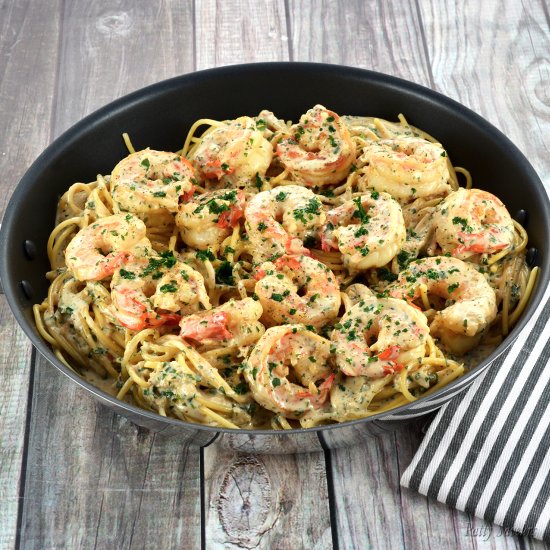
108 385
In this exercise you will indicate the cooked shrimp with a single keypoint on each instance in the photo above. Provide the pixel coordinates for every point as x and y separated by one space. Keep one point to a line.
279 220
297 289
318 150
379 336
233 155
369 230
287 371
233 324
100 248
406 167
149 180
472 221
467 302
208 219
153 291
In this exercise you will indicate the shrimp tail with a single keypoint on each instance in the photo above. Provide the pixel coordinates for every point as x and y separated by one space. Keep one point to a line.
295 246
323 390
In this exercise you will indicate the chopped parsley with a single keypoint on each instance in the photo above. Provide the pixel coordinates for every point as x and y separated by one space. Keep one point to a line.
463 223
360 212
205 255
224 274
169 287
127 274
452 287
167 259
241 388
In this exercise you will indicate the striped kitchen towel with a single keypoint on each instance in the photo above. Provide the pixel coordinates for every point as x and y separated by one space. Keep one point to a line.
487 452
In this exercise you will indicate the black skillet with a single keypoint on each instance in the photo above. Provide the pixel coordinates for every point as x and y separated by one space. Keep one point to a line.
160 115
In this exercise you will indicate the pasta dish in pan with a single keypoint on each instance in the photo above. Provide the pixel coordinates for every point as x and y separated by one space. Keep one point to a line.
279 274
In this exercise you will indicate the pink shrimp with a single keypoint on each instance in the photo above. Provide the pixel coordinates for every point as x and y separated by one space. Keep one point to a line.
288 371
469 302
379 336
150 180
206 220
318 150
152 291
100 248
234 154
235 323
471 222
297 289
280 220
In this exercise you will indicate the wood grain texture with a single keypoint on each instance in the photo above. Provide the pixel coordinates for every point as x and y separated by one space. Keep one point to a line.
265 501
15 366
499 65
361 34
242 31
26 108
94 479
25 121
109 49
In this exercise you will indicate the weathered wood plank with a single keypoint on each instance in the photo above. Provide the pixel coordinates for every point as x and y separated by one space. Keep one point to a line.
498 66
96 479
14 364
110 49
381 36
24 119
265 501
366 489
241 31
93 478
28 60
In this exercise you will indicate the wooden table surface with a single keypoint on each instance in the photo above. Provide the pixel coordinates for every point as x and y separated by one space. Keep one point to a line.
73 474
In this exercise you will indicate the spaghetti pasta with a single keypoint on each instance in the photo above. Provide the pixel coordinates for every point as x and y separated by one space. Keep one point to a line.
282 275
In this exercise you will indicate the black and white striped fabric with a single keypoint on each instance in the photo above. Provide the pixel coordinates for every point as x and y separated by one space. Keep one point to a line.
487 452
